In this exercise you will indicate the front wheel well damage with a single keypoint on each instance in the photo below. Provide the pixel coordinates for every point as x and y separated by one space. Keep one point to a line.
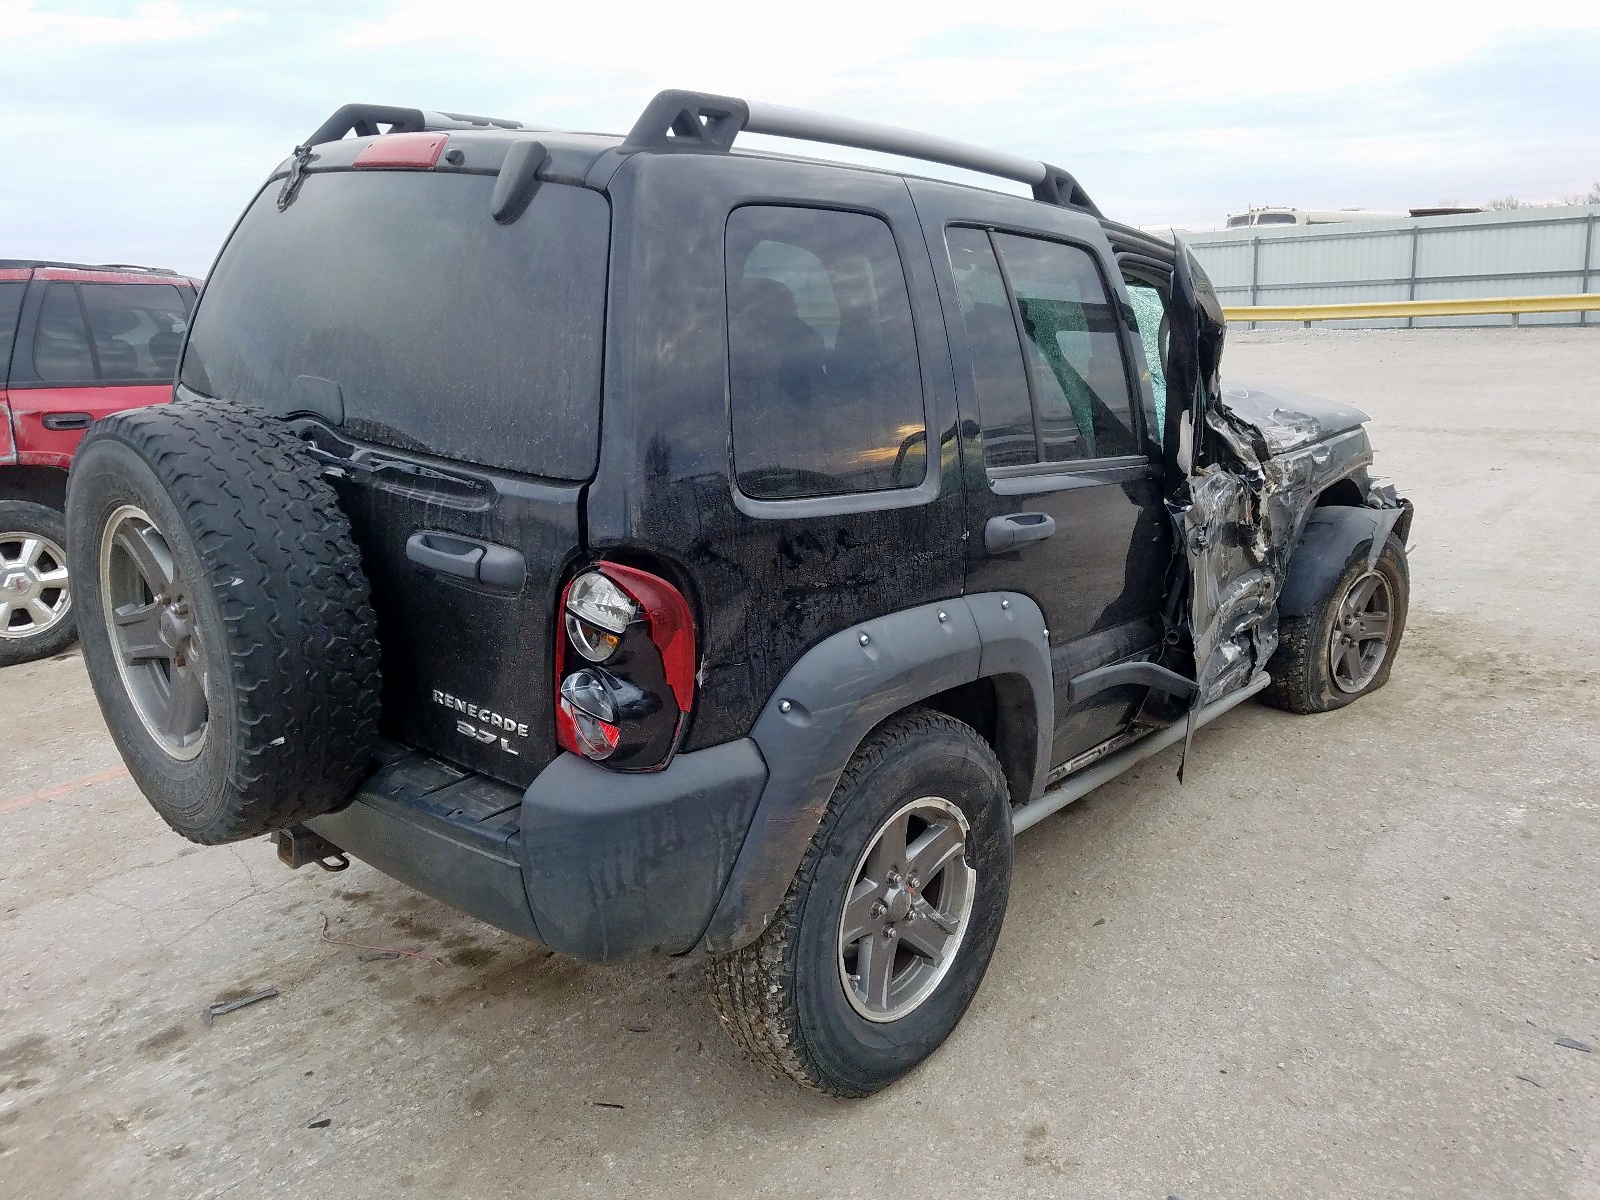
1345 493
36 485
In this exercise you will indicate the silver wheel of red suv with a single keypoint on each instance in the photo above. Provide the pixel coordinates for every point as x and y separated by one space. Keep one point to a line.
36 614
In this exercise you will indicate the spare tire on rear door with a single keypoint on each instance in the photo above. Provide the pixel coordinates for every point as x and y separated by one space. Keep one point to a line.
225 620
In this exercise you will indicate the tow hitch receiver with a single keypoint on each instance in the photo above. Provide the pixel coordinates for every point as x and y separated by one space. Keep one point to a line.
298 846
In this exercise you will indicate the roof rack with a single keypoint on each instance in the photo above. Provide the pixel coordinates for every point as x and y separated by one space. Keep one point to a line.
679 120
132 267
125 268
364 120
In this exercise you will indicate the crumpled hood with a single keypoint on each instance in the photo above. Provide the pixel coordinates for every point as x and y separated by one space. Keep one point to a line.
1288 419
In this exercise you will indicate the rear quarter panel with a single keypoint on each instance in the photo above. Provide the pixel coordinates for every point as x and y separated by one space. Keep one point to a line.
769 580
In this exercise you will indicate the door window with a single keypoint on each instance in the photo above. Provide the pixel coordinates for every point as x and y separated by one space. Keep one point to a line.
61 344
1058 392
137 328
10 303
1080 382
1000 379
826 393
1155 332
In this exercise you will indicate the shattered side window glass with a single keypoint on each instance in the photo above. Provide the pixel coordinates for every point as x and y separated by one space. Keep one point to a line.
1150 311
1084 403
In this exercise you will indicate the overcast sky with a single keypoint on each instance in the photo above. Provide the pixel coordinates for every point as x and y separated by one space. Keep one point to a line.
138 132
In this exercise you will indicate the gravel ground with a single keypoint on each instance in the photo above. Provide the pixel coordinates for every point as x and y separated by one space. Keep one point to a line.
1336 962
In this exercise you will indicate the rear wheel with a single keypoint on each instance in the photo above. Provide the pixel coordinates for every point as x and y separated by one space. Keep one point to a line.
891 920
1345 646
36 617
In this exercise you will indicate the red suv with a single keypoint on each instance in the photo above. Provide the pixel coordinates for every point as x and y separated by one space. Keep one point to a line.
76 343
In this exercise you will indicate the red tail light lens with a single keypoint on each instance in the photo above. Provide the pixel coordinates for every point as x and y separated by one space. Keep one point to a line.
632 636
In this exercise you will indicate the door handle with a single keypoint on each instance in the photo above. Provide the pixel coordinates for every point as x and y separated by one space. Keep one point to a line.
61 421
481 562
1001 534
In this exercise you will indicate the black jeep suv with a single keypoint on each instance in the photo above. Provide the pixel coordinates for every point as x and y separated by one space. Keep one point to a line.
649 545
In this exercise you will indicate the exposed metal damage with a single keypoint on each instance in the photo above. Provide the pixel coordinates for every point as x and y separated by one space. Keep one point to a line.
1274 455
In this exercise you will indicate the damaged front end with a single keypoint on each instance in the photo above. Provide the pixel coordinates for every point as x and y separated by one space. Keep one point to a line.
1252 464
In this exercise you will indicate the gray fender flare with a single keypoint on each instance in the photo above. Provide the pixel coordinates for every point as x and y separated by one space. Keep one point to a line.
1331 535
833 697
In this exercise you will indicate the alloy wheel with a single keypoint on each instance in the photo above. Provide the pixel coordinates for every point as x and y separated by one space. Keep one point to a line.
1361 631
34 596
907 910
151 619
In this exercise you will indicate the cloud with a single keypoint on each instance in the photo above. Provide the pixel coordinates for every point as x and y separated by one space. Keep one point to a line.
140 131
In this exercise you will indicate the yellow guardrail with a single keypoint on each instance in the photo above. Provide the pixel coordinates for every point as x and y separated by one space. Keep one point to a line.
1516 305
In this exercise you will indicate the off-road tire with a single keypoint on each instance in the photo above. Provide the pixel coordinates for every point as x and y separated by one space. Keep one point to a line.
781 998
20 516
281 610
1302 679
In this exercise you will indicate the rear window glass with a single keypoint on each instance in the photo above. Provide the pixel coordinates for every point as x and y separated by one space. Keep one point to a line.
826 391
446 332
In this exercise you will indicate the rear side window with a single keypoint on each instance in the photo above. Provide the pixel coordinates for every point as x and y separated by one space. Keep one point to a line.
137 329
110 332
10 304
61 343
446 332
826 394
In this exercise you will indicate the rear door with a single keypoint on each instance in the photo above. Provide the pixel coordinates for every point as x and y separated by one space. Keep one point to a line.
88 345
447 367
1064 500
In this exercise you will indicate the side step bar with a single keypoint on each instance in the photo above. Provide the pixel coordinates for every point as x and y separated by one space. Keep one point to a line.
1075 787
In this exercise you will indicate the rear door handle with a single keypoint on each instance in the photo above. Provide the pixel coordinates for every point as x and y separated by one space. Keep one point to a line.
1002 534
481 562
60 421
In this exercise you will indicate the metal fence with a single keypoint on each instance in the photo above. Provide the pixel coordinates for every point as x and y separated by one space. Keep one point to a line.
1525 252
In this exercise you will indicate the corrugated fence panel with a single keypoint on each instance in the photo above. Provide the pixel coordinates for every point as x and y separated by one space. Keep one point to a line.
1525 252
1494 250
1294 262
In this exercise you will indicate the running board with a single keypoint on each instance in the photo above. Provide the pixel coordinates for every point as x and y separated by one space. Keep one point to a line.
1077 786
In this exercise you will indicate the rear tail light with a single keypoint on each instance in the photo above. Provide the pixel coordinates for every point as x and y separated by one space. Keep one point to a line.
596 615
627 701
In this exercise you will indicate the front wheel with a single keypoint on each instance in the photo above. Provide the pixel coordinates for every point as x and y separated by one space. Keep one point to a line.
1345 646
889 925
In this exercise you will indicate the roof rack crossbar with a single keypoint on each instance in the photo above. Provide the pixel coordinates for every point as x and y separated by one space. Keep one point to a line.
699 121
366 120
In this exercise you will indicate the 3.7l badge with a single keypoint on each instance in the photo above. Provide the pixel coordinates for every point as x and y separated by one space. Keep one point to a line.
486 726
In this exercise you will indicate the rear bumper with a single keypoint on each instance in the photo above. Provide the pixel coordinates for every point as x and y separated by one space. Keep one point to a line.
590 862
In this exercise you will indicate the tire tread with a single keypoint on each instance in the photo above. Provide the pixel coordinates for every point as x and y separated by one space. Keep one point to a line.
299 630
752 987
